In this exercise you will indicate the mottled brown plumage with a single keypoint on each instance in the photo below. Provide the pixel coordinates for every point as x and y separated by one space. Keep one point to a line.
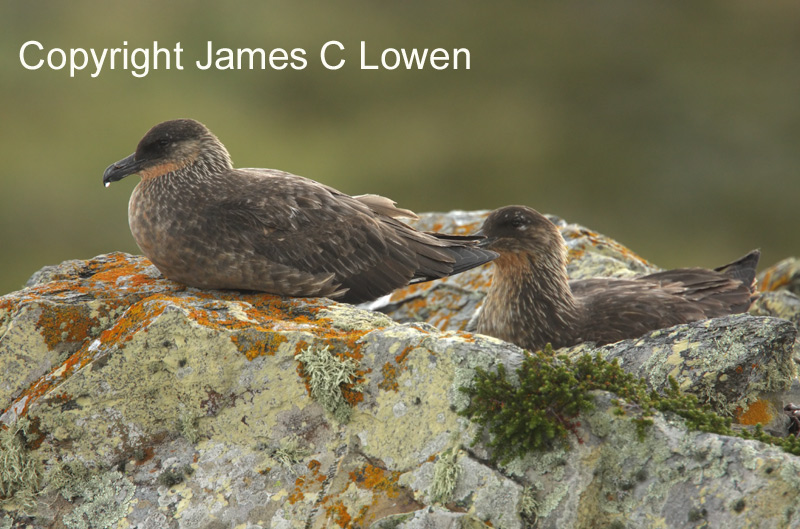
531 301
208 225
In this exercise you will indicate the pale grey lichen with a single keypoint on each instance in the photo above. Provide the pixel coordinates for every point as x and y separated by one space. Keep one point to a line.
67 478
20 471
528 506
327 373
446 472
106 497
187 425
289 452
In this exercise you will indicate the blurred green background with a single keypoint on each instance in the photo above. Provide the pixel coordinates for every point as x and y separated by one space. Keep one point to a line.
673 127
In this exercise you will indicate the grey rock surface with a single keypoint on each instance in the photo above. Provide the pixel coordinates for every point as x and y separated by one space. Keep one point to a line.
150 405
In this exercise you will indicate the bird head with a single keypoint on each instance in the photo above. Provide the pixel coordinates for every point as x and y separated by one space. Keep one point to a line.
518 229
169 147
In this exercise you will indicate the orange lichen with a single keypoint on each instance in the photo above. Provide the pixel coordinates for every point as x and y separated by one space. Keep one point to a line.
388 497
377 479
120 267
349 393
389 382
339 513
759 412
297 494
307 483
410 290
258 324
391 372
596 240
64 323
253 345
343 344
403 355
137 317
778 277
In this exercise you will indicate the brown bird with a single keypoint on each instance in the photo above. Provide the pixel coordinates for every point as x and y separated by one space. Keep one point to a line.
205 224
531 301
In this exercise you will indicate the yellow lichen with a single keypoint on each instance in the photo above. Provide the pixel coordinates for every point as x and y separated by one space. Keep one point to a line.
758 412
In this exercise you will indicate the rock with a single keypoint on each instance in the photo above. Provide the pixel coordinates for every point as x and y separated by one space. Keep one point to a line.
146 404
741 365
780 304
783 276
673 478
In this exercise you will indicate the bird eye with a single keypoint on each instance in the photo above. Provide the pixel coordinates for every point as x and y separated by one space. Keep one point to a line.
162 142
518 224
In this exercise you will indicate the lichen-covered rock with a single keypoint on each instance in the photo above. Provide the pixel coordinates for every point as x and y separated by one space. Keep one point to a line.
672 478
41 327
150 405
741 365
784 275
779 303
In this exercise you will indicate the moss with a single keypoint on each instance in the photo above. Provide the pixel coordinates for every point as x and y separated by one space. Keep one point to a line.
697 514
446 472
327 374
790 444
540 410
697 416
173 476
20 470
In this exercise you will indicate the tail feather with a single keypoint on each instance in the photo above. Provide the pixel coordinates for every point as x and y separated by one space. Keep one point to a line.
743 269
461 254
728 289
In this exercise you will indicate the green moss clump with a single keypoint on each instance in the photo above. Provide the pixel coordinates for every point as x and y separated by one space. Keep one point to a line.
789 444
697 416
540 409
173 476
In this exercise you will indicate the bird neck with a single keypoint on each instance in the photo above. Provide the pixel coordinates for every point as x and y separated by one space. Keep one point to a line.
208 161
531 293
190 178
213 157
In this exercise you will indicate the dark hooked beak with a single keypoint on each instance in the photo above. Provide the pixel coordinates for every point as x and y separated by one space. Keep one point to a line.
119 170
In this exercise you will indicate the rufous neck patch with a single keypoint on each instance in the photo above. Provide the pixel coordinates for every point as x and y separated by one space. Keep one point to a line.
161 169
